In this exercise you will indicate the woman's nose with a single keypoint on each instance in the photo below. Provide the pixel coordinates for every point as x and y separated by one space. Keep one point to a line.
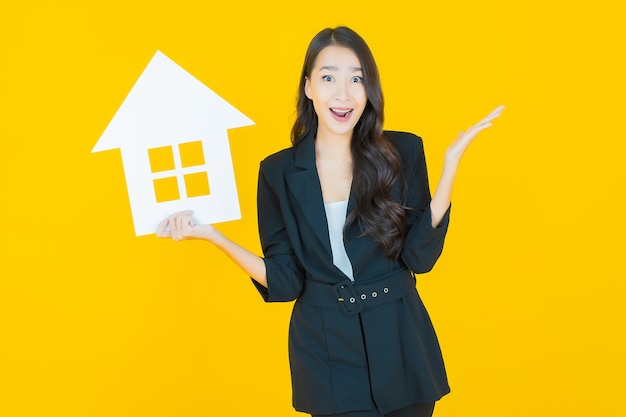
343 91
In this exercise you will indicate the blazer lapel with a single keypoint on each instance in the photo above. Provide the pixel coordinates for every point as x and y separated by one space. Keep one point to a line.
305 187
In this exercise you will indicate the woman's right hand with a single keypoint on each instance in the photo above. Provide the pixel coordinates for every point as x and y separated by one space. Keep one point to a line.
181 226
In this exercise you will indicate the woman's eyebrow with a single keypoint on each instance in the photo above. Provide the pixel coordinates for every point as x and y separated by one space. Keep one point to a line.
334 68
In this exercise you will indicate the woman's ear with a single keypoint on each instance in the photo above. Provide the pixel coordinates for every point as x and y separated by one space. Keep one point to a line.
307 87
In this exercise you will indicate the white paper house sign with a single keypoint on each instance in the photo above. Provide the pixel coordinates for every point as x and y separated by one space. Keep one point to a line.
172 133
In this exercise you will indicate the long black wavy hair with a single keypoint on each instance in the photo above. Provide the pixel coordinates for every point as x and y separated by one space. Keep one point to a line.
376 162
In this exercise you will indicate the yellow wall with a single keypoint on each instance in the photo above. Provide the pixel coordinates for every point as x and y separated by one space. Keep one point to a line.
528 298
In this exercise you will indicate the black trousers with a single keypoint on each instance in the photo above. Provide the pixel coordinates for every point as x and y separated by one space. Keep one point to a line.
416 410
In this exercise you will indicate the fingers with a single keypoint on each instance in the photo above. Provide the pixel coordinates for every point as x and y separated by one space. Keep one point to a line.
497 110
455 151
177 233
469 135
162 229
488 119
180 220
494 113
486 122
175 225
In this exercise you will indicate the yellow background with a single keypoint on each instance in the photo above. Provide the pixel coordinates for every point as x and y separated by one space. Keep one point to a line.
528 297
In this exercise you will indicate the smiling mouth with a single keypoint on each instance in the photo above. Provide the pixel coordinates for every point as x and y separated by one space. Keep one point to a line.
341 113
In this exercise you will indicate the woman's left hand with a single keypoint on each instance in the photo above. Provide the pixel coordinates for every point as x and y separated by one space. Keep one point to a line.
456 150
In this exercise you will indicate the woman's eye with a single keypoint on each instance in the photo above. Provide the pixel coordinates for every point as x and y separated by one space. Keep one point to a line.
357 79
327 78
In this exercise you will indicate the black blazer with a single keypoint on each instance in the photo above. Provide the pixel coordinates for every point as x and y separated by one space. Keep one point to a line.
385 357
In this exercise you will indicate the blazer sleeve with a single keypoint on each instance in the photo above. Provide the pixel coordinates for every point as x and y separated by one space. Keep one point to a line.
423 244
284 273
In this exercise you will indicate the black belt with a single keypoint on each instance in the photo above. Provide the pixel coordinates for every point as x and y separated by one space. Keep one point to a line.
353 298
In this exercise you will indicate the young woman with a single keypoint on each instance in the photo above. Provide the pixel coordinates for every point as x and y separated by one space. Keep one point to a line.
346 220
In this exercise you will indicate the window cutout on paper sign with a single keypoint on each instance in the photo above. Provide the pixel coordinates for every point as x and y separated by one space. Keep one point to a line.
191 154
197 184
161 159
166 189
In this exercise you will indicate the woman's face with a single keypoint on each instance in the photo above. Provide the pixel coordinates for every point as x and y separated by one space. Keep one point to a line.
336 88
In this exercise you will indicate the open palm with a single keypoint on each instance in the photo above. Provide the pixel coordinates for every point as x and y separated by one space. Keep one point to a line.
456 150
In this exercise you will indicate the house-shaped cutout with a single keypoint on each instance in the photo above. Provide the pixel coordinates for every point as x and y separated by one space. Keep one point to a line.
172 133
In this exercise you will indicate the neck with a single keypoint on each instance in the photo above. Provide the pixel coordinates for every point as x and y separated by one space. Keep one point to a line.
336 145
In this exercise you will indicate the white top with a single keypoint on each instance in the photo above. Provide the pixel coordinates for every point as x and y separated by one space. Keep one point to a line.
336 217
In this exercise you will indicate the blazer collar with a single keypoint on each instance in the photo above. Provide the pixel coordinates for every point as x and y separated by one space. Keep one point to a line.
304 185
305 159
